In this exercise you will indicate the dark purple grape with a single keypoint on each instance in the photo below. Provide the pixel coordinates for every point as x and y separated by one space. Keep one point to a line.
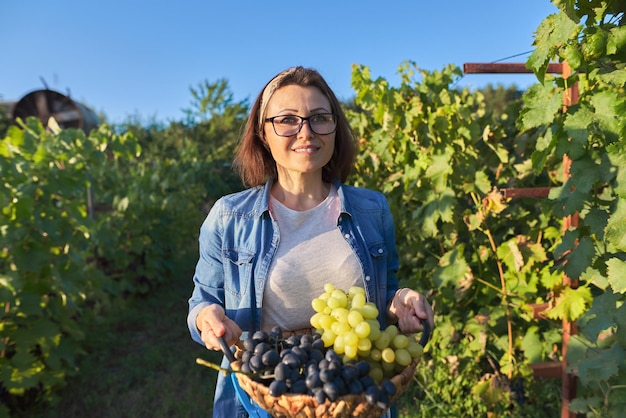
327 375
364 367
245 367
313 380
282 371
355 387
276 333
293 340
372 394
249 344
299 386
302 355
330 389
292 360
383 400
320 396
261 348
270 358
246 356
367 381
284 352
256 363
277 388
260 336
349 373
316 355
388 387
318 344
342 388
332 355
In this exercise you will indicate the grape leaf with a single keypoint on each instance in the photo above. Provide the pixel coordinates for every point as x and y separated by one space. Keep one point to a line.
576 124
616 226
601 365
452 267
553 32
570 304
542 102
616 40
579 258
616 271
531 345
599 317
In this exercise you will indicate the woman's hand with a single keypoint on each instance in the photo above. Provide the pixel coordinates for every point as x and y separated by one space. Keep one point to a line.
411 308
212 323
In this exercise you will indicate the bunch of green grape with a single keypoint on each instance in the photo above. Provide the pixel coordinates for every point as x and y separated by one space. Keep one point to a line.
349 324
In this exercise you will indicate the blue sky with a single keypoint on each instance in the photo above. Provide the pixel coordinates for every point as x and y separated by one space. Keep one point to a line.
139 58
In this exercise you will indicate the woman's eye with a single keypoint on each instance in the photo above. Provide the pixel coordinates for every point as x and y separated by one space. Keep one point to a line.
288 120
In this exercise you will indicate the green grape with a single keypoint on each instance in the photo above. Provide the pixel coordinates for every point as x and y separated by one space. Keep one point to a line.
340 314
341 296
351 338
400 341
377 373
388 355
374 329
333 303
326 321
316 320
358 301
375 355
340 328
415 349
363 354
403 357
365 344
383 341
355 318
392 331
369 311
362 329
351 351
318 304
356 290
339 345
388 368
328 337
329 287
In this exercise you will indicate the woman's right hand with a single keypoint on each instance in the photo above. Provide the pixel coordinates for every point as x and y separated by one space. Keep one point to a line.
212 323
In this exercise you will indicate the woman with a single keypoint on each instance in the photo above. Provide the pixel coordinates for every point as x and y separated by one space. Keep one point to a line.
266 252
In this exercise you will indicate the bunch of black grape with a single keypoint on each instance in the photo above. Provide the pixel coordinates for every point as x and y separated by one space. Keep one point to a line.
300 364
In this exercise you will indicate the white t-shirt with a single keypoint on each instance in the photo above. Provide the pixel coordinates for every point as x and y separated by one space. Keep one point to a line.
311 253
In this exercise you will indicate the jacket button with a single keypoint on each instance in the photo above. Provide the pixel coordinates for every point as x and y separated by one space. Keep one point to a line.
380 251
367 278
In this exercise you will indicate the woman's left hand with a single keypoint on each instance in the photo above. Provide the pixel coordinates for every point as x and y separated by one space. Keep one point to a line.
411 308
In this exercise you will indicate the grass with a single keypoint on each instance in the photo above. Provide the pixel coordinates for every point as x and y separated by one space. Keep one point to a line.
141 362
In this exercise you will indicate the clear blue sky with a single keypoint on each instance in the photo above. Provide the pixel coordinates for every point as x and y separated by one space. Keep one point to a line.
139 58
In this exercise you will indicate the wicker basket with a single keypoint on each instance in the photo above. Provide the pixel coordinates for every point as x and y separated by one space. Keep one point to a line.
296 406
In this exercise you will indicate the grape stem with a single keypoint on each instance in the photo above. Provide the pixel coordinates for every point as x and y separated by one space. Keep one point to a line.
214 366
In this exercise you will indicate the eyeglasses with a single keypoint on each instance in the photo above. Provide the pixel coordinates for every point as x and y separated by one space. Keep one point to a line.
289 125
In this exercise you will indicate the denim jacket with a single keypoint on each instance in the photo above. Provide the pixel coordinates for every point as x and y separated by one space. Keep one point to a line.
238 241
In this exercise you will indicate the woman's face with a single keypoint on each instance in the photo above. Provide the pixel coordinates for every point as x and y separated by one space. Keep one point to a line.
305 152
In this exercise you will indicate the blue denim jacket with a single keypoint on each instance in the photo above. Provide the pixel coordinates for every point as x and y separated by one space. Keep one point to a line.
238 241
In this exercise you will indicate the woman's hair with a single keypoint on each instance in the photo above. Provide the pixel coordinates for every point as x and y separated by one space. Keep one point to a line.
253 159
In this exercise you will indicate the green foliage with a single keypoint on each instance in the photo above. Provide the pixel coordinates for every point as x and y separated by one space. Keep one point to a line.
590 37
46 280
88 221
441 159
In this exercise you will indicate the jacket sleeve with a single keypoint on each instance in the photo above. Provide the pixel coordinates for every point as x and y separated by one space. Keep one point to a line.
208 278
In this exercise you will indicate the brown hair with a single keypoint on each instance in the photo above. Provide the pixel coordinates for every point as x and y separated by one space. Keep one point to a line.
253 159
